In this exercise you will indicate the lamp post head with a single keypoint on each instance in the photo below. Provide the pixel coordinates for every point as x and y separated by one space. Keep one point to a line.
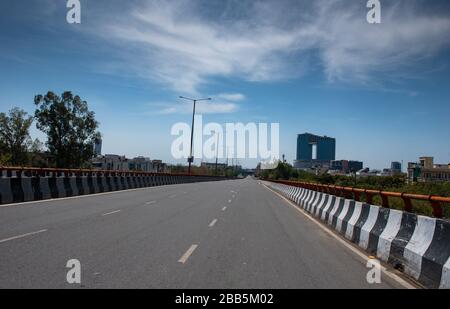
207 99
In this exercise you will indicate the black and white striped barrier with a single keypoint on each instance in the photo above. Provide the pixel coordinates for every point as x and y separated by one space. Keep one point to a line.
24 189
418 245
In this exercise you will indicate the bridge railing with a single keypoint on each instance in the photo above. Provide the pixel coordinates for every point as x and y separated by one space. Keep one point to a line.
436 202
58 172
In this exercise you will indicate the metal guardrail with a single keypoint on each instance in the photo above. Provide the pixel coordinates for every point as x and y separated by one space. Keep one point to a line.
57 172
356 194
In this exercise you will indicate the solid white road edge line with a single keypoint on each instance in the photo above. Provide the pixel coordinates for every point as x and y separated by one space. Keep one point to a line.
356 251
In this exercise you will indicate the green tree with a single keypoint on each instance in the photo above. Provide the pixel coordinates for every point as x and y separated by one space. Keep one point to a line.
283 171
70 126
37 155
15 137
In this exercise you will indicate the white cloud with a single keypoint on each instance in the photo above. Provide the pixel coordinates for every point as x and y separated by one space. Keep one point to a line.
222 103
203 107
180 45
216 108
235 97
352 50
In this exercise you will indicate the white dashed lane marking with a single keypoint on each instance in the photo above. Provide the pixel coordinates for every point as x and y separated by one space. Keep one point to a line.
213 222
22 236
111 213
188 253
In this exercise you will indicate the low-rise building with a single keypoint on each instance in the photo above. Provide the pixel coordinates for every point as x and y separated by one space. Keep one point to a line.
354 166
121 163
426 171
368 172
386 172
160 167
141 164
213 165
111 162
345 166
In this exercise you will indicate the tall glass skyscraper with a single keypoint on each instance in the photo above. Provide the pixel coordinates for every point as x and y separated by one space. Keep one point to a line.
325 150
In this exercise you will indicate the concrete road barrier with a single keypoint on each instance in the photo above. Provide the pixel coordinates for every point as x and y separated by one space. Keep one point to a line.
19 188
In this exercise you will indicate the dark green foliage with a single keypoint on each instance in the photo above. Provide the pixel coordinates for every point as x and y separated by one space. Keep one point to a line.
15 138
70 126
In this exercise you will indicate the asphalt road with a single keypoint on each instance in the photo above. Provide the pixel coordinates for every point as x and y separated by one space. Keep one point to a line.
229 234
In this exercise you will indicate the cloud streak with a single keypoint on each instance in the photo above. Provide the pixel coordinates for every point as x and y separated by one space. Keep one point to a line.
203 107
186 45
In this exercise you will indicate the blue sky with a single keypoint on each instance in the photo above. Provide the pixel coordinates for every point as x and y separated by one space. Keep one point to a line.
313 66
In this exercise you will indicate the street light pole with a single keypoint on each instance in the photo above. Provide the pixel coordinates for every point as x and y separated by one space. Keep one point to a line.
191 157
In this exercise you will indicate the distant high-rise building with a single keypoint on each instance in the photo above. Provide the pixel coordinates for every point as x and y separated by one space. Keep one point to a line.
396 168
98 147
324 146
